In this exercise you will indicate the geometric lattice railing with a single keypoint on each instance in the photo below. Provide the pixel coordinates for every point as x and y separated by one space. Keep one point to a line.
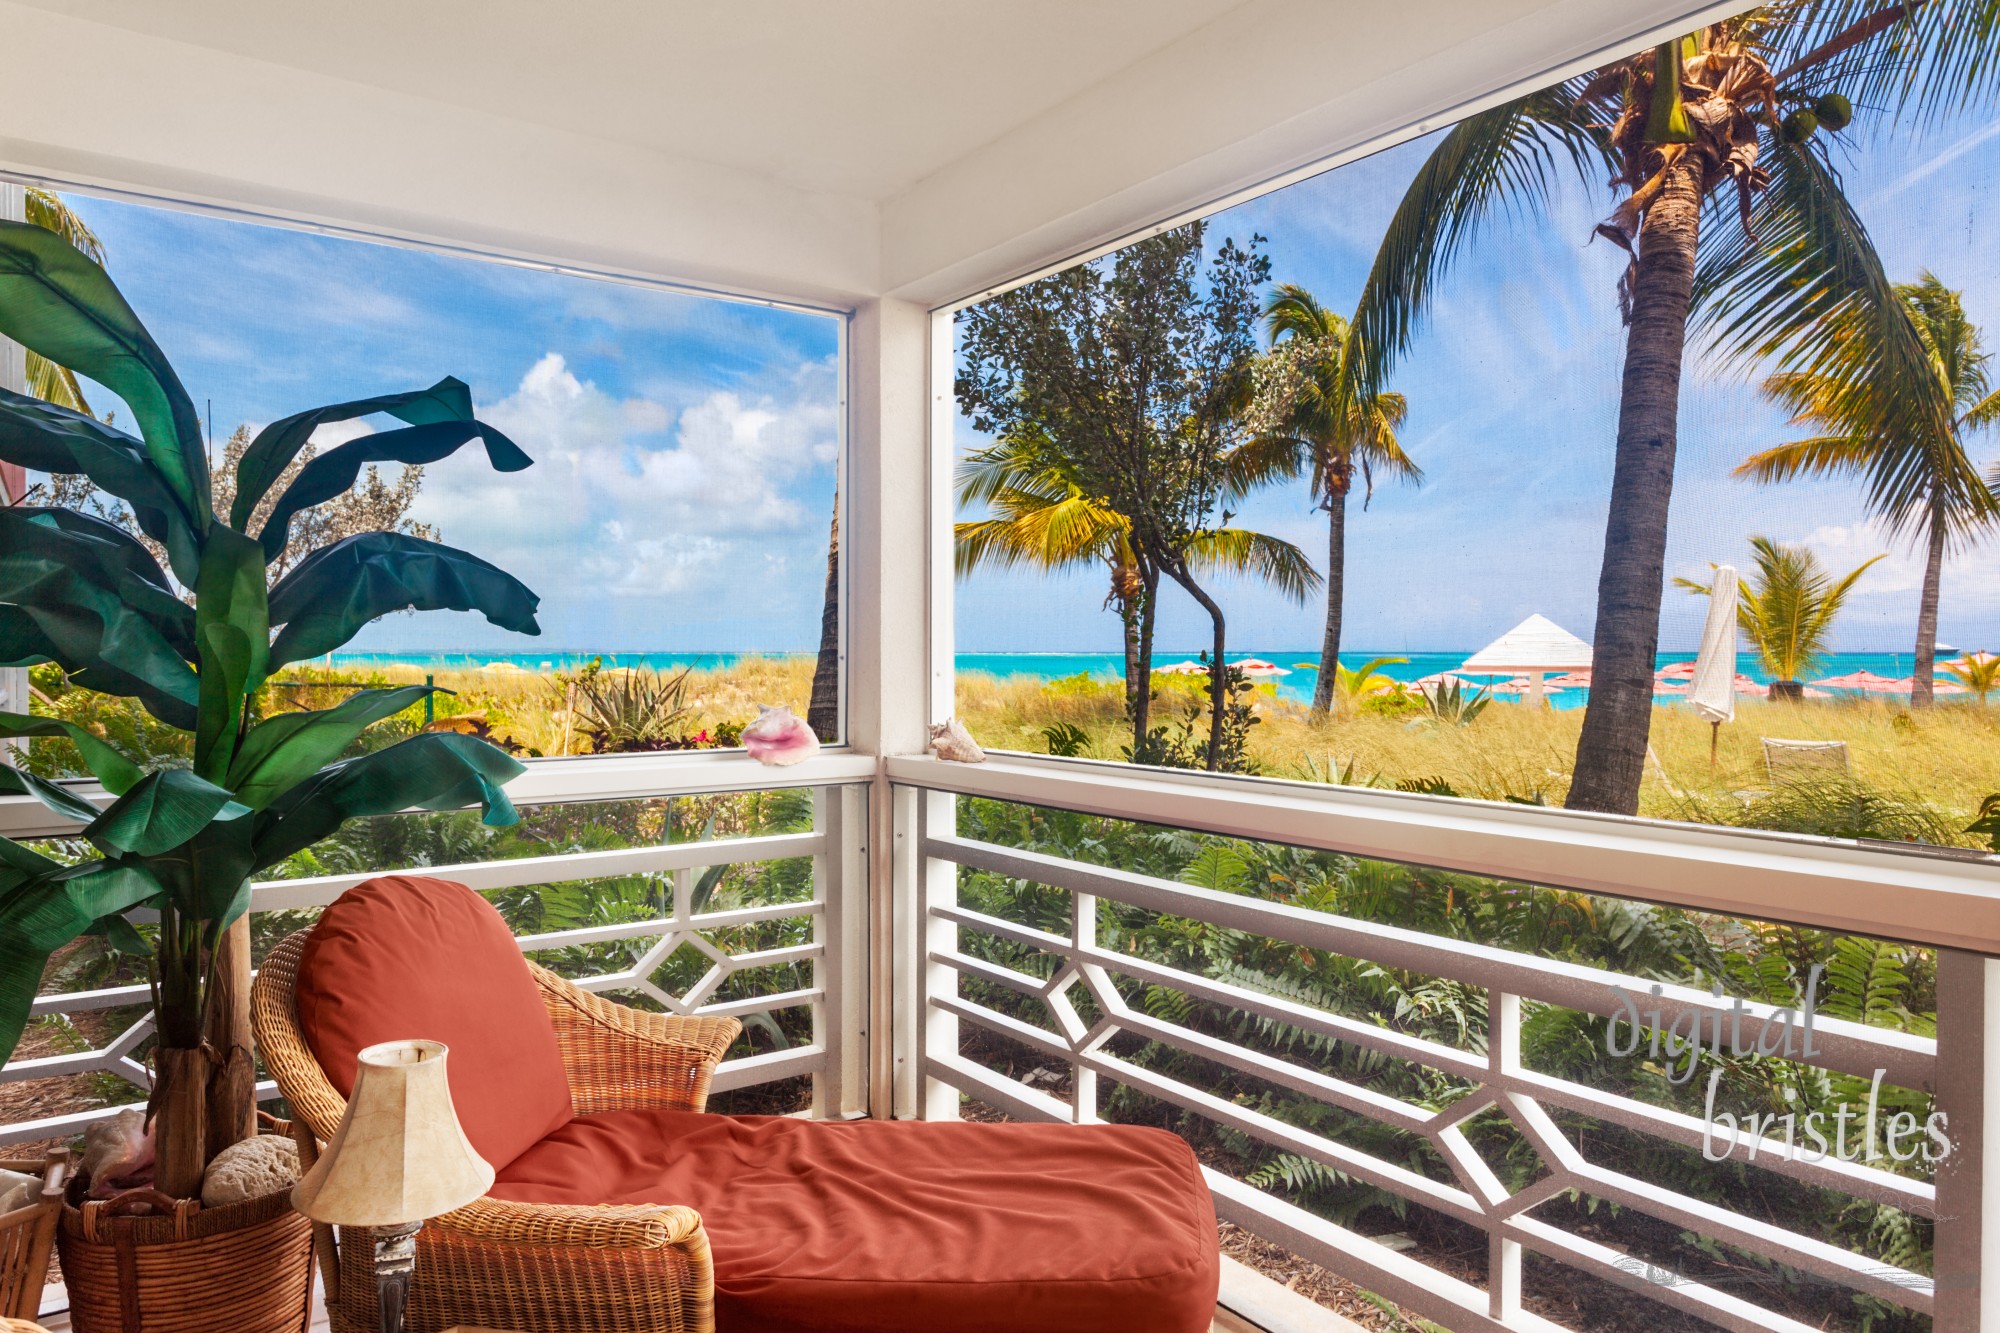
1090 1017
820 936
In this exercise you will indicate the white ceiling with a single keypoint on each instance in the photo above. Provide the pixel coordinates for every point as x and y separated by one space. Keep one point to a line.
824 150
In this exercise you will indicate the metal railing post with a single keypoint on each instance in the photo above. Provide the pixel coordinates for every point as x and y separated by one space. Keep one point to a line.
1965 1249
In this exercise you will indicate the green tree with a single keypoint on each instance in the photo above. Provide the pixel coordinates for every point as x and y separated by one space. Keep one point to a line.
1042 519
1308 421
1143 360
1787 611
1921 482
1978 672
193 642
1726 116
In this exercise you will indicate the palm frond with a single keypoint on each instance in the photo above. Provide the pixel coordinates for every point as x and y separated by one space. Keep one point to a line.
1924 60
1271 559
1504 159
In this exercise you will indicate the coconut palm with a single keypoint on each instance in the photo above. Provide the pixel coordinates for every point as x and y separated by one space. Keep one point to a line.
1978 672
1309 424
1921 482
1733 217
1043 519
1787 611
1353 684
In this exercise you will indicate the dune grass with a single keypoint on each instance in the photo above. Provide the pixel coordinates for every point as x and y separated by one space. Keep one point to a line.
1942 762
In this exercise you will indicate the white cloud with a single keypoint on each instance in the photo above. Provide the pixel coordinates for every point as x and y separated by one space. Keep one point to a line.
624 501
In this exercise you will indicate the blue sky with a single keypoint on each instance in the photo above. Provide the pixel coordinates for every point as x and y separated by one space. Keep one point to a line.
1513 409
685 446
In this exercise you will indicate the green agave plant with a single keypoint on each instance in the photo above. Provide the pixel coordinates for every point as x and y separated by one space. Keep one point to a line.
193 650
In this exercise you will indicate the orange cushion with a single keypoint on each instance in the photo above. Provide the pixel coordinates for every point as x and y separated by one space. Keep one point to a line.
890 1226
406 956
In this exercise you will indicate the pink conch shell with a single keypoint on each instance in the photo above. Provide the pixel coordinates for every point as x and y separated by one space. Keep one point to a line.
950 740
118 1153
778 737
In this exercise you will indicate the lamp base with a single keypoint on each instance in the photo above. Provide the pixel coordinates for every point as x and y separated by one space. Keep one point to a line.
395 1261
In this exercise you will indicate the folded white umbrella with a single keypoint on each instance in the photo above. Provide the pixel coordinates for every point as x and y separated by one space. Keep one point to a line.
1712 689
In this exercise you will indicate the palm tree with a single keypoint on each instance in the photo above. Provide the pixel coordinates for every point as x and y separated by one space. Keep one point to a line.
1787 611
1978 672
47 380
1315 427
1734 107
1353 684
1921 482
1043 519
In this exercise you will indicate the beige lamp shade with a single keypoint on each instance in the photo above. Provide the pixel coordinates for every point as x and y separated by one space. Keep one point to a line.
399 1155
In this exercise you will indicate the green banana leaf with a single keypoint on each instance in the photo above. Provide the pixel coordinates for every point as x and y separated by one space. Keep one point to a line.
279 443
333 472
23 642
107 765
111 559
40 916
160 812
58 798
340 588
43 437
57 610
283 751
56 301
233 632
434 771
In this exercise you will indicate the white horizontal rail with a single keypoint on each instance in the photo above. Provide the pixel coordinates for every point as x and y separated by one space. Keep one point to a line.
557 781
1832 884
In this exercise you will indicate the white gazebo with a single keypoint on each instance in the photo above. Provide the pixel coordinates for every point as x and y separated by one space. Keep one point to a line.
1533 648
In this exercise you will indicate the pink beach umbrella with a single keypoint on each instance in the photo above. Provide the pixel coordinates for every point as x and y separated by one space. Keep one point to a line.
1907 683
1522 685
1745 685
1257 666
1864 680
1678 671
1189 668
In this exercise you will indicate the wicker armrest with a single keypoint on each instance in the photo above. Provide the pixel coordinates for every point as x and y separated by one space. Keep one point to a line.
551 1225
619 1058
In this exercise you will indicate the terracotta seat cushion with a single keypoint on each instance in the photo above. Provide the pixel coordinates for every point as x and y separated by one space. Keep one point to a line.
408 956
900 1225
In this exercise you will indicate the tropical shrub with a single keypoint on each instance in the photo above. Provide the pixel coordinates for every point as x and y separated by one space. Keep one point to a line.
1454 702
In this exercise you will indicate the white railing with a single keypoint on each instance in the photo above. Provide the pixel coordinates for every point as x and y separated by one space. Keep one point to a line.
833 1058
1784 880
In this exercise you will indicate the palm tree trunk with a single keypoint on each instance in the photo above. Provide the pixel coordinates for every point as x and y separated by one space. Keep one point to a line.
1611 753
823 712
1135 684
1218 674
1922 683
1142 710
1336 587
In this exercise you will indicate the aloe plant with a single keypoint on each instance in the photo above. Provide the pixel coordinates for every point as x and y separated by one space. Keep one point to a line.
193 647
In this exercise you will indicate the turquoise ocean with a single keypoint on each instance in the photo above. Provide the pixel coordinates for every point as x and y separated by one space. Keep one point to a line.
1100 666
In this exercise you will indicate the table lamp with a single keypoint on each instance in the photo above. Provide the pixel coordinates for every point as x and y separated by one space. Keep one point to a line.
398 1158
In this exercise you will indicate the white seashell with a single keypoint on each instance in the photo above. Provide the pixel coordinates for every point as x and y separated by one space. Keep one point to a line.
118 1152
250 1170
950 740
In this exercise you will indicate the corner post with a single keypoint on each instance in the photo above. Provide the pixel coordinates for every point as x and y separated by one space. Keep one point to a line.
1968 1179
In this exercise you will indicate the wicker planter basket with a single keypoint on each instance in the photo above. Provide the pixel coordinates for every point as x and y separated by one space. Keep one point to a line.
239 1268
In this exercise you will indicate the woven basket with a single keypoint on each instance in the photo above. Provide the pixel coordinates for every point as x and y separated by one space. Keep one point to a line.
239 1268
26 1235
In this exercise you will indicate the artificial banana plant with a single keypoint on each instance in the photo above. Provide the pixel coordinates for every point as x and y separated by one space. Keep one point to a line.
193 648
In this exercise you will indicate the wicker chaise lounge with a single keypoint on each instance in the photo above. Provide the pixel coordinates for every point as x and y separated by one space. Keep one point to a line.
620 1207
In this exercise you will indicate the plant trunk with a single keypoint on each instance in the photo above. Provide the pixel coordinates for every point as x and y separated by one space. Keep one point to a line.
1135 683
1923 688
1336 586
1611 753
1142 713
1218 674
179 1108
823 713
230 1110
